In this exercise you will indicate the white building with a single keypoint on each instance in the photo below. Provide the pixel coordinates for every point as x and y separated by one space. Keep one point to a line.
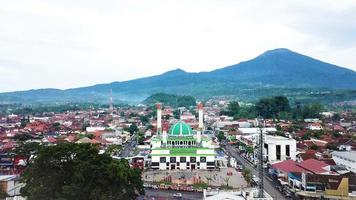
315 127
278 148
345 158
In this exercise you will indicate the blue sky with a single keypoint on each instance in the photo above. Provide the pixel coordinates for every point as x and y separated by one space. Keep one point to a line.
65 44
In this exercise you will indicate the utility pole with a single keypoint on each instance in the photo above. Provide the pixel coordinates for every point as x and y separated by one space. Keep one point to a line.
260 158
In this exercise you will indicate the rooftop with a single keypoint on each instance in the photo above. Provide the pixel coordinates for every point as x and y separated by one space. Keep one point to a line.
287 166
345 154
314 166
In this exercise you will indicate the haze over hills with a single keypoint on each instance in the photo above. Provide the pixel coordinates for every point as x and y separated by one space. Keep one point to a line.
277 70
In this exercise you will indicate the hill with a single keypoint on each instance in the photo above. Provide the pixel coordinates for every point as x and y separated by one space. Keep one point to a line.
274 72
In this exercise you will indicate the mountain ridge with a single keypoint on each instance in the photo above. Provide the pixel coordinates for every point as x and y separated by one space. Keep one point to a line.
279 68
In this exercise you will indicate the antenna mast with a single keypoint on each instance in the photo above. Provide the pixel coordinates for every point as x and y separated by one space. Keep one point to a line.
260 158
111 103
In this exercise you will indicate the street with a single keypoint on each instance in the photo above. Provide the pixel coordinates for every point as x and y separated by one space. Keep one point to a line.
168 194
128 147
268 185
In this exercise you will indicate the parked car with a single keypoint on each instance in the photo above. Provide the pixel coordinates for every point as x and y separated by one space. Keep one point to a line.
178 195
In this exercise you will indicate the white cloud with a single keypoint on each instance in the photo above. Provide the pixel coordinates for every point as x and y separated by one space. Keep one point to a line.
62 44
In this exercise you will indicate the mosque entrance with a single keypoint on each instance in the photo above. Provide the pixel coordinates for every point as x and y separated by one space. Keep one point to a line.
192 167
173 166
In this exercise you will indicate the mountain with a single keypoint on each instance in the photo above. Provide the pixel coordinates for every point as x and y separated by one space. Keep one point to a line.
278 71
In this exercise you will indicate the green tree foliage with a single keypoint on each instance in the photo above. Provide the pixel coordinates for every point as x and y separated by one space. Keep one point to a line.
312 111
133 128
24 122
272 107
249 149
113 148
140 138
336 117
233 107
22 137
77 171
331 146
56 126
176 114
89 135
144 119
314 147
306 136
246 173
27 149
171 100
221 136
246 112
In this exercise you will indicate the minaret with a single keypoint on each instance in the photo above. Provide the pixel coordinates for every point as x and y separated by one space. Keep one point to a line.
164 137
159 118
201 124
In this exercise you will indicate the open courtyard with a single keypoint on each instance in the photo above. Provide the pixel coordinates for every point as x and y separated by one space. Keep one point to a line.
214 178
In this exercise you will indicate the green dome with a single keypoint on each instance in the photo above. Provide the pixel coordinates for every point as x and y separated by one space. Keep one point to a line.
180 129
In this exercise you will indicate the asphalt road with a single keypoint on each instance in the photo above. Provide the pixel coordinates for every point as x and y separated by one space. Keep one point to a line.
128 148
168 194
268 185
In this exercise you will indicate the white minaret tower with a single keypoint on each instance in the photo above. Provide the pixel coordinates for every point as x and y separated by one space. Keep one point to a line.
159 118
201 123
164 137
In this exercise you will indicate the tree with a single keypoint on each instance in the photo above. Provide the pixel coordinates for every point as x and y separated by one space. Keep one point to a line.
233 107
56 126
273 106
314 147
24 122
249 149
113 148
89 135
246 173
336 117
331 146
144 119
78 171
306 136
27 149
221 136
140 138
133 128
312 111
176 114
22 137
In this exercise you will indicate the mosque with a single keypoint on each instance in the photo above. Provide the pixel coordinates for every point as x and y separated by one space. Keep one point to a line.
182 148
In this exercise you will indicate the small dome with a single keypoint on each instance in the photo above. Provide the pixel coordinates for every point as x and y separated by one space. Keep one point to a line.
180 129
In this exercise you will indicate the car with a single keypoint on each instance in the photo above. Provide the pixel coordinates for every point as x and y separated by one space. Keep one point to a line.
177 195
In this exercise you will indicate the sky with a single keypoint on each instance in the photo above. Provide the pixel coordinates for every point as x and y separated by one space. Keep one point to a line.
66 44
